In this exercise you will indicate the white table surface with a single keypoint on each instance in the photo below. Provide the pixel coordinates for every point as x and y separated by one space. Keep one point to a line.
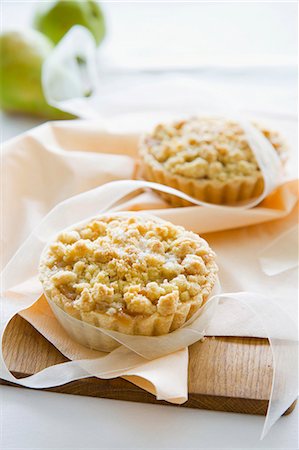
42 420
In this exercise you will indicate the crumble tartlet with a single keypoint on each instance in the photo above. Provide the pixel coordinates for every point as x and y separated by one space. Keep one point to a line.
138 275
208 158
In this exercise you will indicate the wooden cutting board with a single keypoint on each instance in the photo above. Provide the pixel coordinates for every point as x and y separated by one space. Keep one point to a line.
225 374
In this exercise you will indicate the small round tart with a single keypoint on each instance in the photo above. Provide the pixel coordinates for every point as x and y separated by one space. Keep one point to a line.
135 274
207 158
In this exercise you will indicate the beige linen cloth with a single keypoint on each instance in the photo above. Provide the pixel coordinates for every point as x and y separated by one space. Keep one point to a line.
256 247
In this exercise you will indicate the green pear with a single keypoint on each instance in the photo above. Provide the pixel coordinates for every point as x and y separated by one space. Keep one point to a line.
22 54
55 18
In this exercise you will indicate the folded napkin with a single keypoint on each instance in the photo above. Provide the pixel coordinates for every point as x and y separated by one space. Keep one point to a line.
52 162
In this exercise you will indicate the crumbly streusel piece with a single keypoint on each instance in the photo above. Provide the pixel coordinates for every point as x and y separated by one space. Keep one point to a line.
129 268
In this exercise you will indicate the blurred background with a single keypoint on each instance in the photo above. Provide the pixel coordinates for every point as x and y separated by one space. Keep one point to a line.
246 49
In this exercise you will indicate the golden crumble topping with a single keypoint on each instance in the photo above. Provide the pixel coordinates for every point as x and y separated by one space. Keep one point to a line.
128 265
206 148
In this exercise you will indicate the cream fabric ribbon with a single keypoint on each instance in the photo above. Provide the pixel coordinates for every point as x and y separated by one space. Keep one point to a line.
66 80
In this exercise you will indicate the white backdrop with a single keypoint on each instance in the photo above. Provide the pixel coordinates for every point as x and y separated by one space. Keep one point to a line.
187 34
